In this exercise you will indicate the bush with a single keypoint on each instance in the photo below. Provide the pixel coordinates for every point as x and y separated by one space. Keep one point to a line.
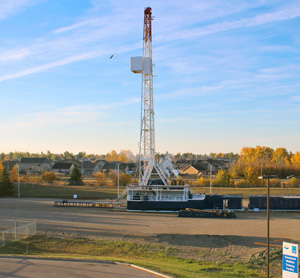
101 178
275 183
203 182
49 176
124 179
294 182
241 184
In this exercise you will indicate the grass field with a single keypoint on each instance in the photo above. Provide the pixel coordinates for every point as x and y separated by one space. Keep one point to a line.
32 190
159 258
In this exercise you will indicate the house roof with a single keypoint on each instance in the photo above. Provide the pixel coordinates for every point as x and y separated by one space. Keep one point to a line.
88 165
197 166
62 165
114 166
9 164
131 165
36 160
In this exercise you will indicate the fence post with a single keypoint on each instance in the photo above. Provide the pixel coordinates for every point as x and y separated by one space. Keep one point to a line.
35 226
15 229
26 230
3 239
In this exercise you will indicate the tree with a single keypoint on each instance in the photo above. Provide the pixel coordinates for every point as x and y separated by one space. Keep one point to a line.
6 186
75 177
294 182
68 155
112 156
100 177
14 174
224 178
124 178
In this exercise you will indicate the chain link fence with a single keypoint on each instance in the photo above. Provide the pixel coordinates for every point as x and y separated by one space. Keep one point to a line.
11 230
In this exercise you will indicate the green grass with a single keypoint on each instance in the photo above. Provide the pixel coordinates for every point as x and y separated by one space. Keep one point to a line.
31 190
155 257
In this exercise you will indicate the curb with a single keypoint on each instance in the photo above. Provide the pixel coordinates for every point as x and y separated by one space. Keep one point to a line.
150 271
57 259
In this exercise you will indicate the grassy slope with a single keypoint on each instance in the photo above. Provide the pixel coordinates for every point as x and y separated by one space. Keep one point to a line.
159 258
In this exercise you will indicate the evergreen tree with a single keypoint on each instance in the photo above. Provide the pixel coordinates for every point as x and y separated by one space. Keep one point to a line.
75 177
6 186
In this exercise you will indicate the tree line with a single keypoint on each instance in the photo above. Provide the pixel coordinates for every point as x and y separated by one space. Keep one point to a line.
122 156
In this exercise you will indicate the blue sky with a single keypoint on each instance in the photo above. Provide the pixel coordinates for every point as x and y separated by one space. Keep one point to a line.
227 75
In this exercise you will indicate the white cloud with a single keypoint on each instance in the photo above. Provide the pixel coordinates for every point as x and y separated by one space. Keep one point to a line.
290 13
11 7
51 65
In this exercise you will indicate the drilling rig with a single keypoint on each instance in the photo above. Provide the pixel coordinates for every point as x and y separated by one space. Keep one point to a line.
144 66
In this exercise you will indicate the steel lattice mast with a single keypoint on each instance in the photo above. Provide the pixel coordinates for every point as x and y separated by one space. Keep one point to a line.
144 66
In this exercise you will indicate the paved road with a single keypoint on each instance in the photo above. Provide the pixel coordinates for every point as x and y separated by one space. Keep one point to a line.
103 222
32 268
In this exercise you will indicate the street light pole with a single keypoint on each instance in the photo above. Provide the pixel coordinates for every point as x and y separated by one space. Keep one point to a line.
118 179
210 180
268 226
19 194
267 177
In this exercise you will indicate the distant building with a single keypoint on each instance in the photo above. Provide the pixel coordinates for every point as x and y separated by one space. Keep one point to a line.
35 165
196 169
62 167
9 164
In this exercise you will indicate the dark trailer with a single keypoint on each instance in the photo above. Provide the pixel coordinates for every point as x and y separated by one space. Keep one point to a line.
277 203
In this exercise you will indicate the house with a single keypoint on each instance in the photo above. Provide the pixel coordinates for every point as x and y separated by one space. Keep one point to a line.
196 169
99 166
182 163
87 167
62 167
112 167
130 168
9 164
32 165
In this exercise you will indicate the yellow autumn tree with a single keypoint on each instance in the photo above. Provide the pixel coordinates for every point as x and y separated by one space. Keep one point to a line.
112 156
100 178
13 173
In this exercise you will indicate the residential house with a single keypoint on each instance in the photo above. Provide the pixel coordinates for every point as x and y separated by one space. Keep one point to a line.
87 167
32 165
130 168
112 167
62 167
99 166
196 169
9 164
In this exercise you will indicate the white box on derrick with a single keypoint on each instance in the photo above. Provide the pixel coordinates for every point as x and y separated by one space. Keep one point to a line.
141 65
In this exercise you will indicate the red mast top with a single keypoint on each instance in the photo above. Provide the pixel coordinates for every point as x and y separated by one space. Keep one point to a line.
147 24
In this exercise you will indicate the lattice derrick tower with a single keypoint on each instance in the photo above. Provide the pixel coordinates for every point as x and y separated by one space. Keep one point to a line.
144 66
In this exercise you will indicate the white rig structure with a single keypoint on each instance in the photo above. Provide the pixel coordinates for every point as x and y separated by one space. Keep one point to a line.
144 66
